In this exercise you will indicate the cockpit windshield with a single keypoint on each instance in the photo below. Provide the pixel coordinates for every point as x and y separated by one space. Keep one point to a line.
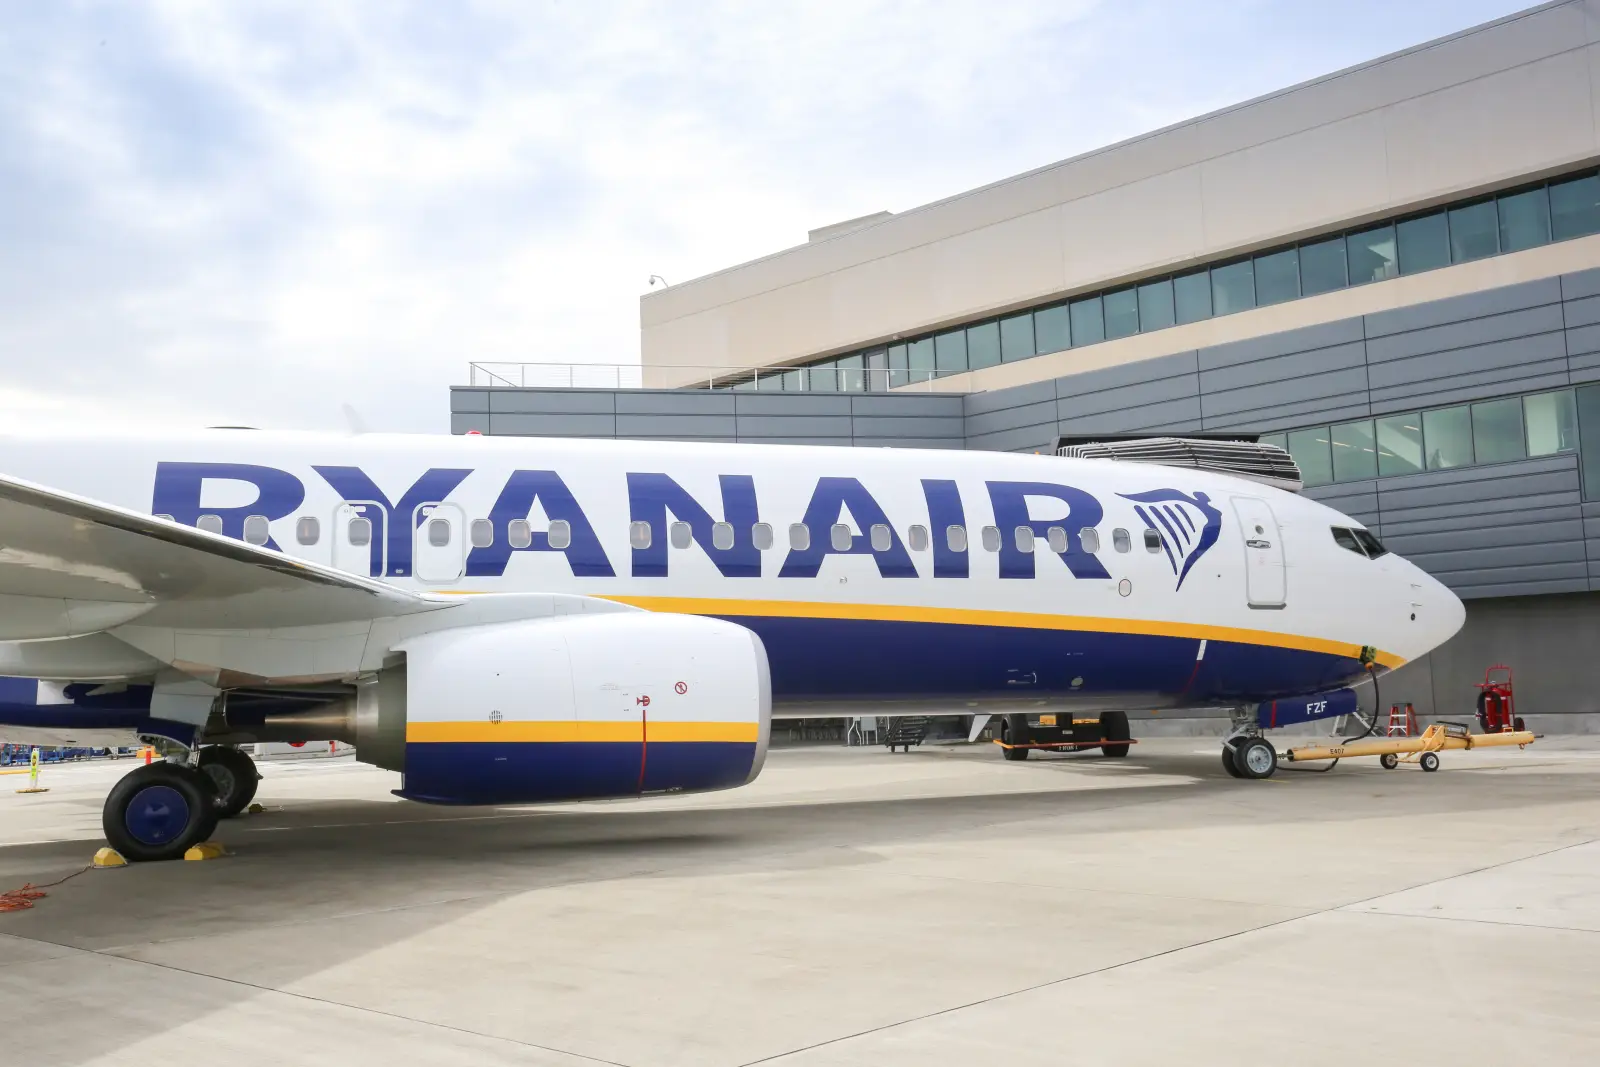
1361 542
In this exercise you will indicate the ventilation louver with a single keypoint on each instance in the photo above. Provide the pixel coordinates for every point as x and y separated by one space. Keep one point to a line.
1267 464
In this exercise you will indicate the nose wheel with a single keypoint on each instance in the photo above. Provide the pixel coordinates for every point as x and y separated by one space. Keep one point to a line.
158 811
1249 757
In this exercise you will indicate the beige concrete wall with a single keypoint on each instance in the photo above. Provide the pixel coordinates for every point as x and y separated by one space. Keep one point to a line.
1477 111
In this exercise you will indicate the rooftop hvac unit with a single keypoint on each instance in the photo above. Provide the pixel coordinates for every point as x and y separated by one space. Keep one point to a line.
1267 464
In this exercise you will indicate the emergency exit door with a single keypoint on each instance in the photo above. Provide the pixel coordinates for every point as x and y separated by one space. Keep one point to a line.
1265 582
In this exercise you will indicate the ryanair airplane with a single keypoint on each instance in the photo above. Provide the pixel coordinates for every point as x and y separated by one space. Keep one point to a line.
515 620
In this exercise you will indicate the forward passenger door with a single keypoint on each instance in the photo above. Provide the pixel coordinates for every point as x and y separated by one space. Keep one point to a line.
1265 581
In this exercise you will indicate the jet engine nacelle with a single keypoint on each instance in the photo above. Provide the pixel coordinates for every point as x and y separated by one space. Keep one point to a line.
573 707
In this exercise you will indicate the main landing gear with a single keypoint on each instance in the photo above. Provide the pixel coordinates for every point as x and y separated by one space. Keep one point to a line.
158 811
1245 753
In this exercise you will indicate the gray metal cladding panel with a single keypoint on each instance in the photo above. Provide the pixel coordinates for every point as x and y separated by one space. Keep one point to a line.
1584 312
1285 368
941 426
1455 336
712 426
1129 398
831 442
1324 336
1021 439
1459 308
1500 482
906 405
791 404
1523 583
1579 284
1174 416
1290 416
1584 369
1011 418
1465 388
674 402
536 425
1532 510
1500 531
1006 399
755 427
468 400
1182 365
552 401
1552 561
1359 500
937 443
1343 387
461 422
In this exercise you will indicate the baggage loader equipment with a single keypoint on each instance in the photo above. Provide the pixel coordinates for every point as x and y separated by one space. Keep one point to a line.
1061 732
1424 750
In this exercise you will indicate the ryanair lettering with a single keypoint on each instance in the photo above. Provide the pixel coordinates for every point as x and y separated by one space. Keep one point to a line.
656 502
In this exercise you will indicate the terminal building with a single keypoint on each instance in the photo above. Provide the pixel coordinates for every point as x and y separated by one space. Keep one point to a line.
1393 271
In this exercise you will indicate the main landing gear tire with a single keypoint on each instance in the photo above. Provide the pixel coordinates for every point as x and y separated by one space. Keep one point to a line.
1254 757
158 811
233 775
1114 727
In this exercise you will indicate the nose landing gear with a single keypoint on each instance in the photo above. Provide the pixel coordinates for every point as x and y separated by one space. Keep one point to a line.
1245 753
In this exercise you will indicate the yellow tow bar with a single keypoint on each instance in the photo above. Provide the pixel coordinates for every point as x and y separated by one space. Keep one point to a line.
1424 750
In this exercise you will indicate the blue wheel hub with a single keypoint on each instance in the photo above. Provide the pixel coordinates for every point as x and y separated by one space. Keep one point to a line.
156 815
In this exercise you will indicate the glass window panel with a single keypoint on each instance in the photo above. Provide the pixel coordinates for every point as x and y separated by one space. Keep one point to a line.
956 538
1474 232
639 535
950 352
1399 444
991 538
1152 541
983 345
794 381
852 376
1322 267
1016 337
680 534
1552 420
1056 538
1424 243
1312 455
917 538
761 536
1371 255
212 523
1575 208
519 533
1277 439
1373 546
1347 540
799 536
1588 399
481 533
359 533
897 366
1233 287
1447 437
919 354
1355 451
559 535
823 377
307 530
1089 538
1278 277
1051 330
880 537
722 536
1122 313
1121 541
1156 311
1524 220
255 529
1088 321
877 370
1191 296
840 538
439 532
1023 536
1497 431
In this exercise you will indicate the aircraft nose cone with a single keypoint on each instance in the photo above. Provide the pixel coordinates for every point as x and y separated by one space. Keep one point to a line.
1447 613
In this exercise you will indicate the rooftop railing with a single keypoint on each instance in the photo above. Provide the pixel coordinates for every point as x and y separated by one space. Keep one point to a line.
829 379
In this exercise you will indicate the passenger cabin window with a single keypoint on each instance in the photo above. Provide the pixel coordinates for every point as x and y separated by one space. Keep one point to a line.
481 532
359 532
722 536
839 537
956 538
639 534
1089 538
1024 538
1152 541
680 534
1121 541
439 533
799 536
163 516
761 536
1056 538
519 533
917 538
991 538
209 523
881 539
255 529
307 530
560 534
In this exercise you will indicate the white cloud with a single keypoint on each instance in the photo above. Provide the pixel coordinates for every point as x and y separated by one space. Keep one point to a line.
219 213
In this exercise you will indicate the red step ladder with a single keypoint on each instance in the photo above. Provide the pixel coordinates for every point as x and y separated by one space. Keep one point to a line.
1402 721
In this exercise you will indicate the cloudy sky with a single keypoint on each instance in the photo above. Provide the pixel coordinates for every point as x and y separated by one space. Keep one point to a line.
238 212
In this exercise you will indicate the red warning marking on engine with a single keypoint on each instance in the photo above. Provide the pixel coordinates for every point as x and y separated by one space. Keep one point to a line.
643 701
682 688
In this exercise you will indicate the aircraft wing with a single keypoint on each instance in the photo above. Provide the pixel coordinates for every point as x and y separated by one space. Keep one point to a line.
70 565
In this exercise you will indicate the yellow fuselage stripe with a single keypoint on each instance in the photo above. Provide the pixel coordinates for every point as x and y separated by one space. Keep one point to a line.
792 609
509 732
